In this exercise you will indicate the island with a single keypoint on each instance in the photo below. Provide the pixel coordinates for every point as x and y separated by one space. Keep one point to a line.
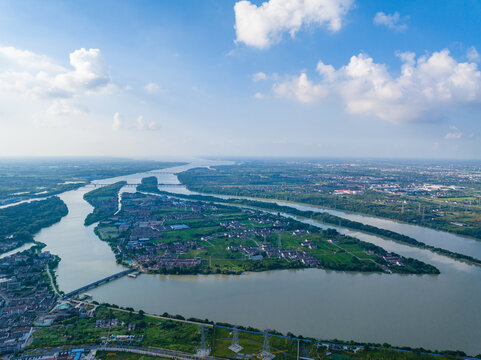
165 234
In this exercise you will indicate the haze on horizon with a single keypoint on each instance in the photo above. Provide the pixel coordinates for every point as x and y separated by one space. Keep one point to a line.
318 78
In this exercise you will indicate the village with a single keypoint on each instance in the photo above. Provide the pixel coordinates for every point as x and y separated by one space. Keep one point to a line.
160 234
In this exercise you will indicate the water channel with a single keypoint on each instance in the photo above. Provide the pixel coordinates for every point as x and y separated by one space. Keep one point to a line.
437 312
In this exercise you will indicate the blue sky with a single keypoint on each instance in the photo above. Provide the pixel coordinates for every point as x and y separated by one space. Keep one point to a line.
275 78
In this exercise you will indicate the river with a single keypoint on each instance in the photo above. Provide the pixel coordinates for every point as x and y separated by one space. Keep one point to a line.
437 312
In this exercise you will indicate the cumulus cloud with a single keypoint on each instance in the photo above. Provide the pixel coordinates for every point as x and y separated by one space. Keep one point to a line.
259 76
473 54
28 59
64 107
454 134
117 121
37 76
261 26
300 88
392 21
143 125
426 86
152 88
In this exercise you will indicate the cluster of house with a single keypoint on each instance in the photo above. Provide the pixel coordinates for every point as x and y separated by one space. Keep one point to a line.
249 233
155 256
173 248
239 230
255 253
173 261
9 243
106 323
140 217
393 259
233 225
25 295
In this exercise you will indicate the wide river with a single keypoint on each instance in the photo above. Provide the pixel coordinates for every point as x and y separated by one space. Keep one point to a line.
435 312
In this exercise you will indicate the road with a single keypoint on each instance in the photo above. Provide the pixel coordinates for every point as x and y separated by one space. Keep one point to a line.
54 287
158 352
143 350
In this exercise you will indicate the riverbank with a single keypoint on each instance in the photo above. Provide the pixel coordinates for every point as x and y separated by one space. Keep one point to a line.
147 330
428 310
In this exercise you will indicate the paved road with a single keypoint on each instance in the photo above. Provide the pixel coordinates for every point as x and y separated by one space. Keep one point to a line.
158 352
54 287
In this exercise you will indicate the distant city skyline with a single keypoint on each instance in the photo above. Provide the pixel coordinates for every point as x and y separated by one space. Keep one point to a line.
172 79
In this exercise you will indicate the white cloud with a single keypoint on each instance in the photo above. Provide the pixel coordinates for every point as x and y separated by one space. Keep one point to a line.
426 86
454 134
28 59
258 95
36 76
152 88
61 107
392 21
473 54
117 121
143 125
261 26
300 88
259 76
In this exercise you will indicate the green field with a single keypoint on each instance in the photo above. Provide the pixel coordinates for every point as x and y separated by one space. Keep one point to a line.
315 183
215 228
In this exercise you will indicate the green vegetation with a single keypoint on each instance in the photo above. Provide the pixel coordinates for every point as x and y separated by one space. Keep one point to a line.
18 224
173 333
232 240
104 200
441 196
149 331
149 185
338 221
32 178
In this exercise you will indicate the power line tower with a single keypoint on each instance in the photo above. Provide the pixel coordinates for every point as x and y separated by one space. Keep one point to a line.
266 348
235 346
203 350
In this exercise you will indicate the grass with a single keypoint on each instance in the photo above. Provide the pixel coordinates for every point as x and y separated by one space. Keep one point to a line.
156 332
186 337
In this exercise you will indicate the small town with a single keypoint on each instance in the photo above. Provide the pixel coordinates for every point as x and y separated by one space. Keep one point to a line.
26 296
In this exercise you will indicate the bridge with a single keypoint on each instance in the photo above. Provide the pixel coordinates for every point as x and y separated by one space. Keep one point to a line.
99 282
128 185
